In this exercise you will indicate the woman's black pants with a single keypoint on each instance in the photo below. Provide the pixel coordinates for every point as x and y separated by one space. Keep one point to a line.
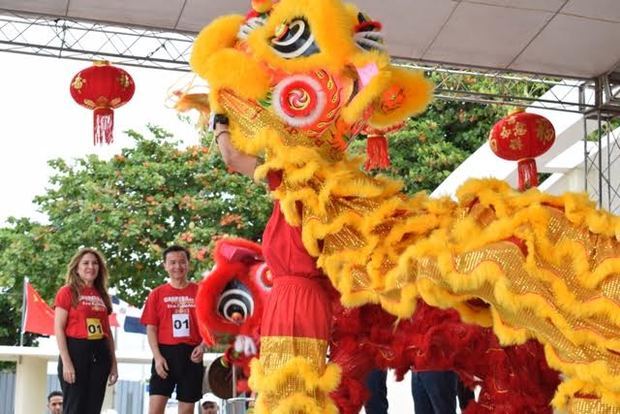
92 363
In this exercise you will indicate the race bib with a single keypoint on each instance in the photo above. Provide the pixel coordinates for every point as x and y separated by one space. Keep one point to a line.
94 329
180 325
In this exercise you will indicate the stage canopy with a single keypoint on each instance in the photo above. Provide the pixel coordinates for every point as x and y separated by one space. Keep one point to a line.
567 38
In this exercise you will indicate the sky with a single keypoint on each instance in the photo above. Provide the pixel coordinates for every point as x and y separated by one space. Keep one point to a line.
40 121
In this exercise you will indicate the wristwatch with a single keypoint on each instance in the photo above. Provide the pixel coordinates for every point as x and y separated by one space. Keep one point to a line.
220 119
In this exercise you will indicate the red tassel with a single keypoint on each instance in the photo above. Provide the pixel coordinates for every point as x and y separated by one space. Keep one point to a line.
103 125
528 174
376 152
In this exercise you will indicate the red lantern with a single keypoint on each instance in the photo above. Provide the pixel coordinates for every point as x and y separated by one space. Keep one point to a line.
102 88
522 136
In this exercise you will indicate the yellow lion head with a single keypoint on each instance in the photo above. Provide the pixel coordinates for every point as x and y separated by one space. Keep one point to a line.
313 70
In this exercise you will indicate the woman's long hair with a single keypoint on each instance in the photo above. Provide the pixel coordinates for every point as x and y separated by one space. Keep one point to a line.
101 281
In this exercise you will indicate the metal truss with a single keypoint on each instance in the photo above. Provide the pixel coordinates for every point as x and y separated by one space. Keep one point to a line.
597 99
602 160
64 38
497 87
602 145
70 39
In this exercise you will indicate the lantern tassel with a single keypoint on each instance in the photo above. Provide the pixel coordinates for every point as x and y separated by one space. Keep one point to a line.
103 125
376 152
528 174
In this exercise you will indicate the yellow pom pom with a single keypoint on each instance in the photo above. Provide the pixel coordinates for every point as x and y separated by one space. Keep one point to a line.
261 6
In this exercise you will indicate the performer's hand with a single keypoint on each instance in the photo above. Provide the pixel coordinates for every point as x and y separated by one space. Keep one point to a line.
234 159
245 345
113 377
68 372
161 367
197 353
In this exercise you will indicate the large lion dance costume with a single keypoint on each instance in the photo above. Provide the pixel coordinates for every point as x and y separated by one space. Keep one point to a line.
299 79
231 297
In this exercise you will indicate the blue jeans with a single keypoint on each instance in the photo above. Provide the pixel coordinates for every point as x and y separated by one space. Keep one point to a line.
434 392
377 403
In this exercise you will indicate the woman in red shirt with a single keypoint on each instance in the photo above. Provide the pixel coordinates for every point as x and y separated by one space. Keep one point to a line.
82 330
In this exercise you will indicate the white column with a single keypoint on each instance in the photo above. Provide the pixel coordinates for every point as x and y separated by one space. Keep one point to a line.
30 385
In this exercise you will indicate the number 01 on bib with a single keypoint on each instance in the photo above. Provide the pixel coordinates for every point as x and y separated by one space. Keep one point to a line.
180 325
93 328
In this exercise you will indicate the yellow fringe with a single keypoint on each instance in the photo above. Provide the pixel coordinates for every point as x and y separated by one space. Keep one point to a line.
363 99
220 34
439 232
317 386
417 91
233 69
568 389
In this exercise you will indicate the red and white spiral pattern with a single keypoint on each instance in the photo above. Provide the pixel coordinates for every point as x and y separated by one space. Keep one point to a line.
299 100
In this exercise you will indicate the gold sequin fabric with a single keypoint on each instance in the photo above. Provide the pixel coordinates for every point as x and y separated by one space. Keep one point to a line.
293 375
590 406
549 267
276 351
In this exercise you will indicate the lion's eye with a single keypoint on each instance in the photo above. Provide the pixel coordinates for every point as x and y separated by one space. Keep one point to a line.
294 39
235 303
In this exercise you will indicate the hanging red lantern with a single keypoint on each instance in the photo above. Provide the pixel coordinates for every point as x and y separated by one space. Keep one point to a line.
522 136
102 88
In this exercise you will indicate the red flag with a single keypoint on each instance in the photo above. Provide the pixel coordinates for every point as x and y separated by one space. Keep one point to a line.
39 317
113 320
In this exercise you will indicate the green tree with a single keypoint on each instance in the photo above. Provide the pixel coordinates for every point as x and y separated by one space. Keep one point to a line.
134 205
432 145
130 208
20 247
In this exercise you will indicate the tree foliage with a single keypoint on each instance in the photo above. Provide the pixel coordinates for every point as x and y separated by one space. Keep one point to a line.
21 247
431 146
130 208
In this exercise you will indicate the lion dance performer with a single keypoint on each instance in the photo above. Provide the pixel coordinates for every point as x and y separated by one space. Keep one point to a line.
298 79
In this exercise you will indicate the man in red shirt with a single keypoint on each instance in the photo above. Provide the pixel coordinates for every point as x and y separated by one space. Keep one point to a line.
172 331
